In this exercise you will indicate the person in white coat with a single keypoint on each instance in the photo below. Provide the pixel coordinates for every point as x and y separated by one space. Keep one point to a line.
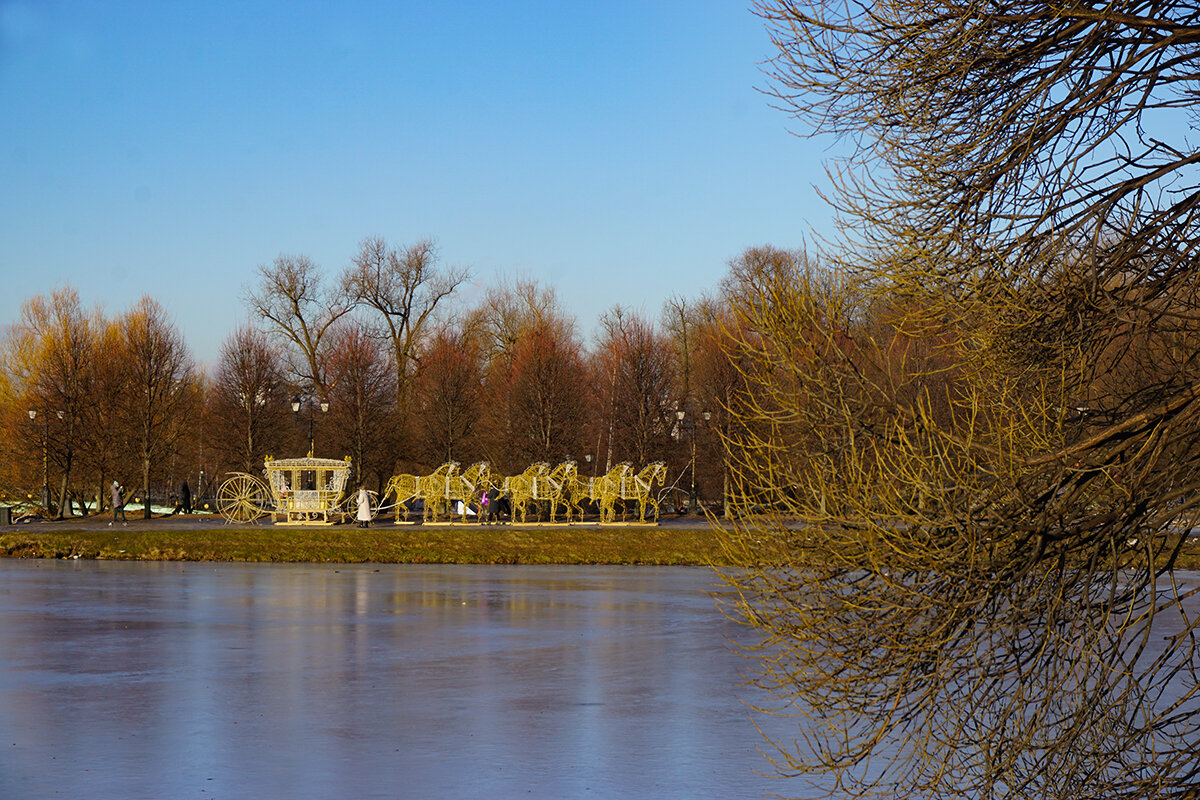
364 507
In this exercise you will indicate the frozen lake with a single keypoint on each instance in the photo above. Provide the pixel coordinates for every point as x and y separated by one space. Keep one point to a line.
212 680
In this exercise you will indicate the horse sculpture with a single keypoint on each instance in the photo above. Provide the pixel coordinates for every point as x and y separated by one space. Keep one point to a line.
433 488
448 485
403 487
467 486
643 487
560 481
524 488
539 484
622 483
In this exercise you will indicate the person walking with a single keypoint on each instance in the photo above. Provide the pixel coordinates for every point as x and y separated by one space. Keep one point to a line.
183 501
364 508
118 501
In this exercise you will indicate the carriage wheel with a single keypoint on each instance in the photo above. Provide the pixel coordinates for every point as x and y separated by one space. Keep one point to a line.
242 498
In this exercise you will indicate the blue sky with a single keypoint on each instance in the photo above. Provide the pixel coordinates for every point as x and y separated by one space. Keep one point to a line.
620 152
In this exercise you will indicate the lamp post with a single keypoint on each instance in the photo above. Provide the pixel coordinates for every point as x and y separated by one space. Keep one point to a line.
689 424
708 419
296 403
45 458
45 455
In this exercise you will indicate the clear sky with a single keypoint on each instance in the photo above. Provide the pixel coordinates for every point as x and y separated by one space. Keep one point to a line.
619 151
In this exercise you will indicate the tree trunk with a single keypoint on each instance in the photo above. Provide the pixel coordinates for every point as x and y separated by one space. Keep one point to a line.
64 505
146 488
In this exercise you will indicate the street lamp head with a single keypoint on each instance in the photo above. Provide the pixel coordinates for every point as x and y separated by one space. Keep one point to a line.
324 407
32 413
707 416
296 404
679 415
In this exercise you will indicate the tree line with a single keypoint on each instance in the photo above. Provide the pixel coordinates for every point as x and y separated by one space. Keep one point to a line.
382 362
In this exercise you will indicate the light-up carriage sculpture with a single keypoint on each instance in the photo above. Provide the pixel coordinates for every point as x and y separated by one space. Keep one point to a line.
301 491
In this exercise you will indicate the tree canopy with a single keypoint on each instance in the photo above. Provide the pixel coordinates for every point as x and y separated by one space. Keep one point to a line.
984 414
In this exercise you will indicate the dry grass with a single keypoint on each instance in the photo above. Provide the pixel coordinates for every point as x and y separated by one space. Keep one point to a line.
695 544
417 545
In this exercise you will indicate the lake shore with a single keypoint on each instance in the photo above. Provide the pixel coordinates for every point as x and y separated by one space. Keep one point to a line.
675 541
683 542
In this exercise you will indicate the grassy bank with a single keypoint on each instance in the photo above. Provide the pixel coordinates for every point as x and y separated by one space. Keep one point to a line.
399 545
635 544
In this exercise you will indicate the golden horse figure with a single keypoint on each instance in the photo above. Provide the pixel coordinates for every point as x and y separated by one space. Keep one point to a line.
622 483
448 485
578 491
467 486
541 484
606 490
432 488
581 490
643 487
559 484
524 488
403 487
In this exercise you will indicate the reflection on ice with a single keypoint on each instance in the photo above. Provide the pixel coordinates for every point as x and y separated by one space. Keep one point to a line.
229 680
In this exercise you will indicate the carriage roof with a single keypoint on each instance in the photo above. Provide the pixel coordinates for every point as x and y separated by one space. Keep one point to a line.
308 462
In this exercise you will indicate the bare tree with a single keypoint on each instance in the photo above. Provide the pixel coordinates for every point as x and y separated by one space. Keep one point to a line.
449 397
547 388
53 354
296 305
248 401
636 368
157 398
104 448
406 287
362 400
991 429
508 313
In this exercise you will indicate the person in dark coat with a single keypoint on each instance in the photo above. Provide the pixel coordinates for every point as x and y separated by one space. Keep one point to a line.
185 498
495 504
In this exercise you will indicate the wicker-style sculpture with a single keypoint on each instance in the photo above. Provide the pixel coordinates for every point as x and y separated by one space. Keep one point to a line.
559 483
542 485
622 483
524 488
404 488
538 484
448 485
308 490
243 498
301 490
432 489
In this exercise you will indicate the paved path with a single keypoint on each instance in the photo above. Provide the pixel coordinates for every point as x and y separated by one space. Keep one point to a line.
215 522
